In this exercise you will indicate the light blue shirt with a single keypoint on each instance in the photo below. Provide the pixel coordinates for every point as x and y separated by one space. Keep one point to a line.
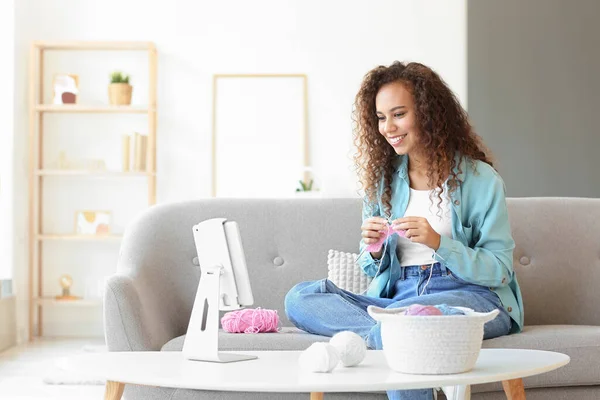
481 248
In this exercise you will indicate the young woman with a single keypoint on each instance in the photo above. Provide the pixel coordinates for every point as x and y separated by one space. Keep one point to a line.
427 173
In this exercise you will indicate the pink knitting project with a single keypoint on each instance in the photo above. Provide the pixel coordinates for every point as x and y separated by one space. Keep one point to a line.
375 247
419 309
250 320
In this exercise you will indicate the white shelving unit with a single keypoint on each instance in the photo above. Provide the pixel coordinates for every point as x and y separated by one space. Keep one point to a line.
37 172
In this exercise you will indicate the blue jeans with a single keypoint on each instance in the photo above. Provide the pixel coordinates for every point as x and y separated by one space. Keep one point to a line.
320 307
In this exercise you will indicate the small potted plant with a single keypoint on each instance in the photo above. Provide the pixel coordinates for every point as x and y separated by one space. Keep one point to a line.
306 189
307 185
119 90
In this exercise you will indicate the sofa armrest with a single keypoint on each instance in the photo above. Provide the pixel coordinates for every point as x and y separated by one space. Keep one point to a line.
128 325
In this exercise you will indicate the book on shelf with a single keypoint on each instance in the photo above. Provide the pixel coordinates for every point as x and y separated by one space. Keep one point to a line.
134 147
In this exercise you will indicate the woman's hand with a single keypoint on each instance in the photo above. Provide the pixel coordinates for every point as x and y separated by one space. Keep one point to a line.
372 229
418 230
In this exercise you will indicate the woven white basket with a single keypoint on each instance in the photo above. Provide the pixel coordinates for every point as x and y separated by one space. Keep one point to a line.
432 344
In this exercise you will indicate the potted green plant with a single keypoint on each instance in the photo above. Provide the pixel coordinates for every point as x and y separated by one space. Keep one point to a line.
119 89
307 189
307 186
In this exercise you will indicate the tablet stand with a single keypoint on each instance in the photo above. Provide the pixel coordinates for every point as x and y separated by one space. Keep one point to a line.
202 338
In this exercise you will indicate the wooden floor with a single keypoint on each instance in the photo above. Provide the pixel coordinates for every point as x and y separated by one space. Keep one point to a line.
23 368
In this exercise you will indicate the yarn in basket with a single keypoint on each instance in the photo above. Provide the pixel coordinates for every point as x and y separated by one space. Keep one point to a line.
419 309
251 320
440 309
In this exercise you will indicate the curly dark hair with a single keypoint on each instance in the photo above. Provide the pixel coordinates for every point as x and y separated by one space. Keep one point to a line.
442 122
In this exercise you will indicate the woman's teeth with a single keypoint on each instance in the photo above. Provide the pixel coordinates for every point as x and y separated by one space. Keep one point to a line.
397 139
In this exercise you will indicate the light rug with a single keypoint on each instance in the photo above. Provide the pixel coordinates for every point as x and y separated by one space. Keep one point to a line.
58 375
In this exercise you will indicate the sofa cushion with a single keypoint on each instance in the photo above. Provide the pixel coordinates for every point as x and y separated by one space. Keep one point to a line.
581 343
286 339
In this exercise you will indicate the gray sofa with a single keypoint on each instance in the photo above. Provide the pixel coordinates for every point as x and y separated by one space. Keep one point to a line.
148 303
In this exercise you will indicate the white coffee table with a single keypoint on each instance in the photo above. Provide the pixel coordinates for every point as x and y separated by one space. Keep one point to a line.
278 371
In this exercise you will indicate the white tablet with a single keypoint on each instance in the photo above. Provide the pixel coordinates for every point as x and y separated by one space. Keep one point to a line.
238 261
218 243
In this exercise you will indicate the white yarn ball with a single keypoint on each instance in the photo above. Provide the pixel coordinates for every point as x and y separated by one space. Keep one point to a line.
350 347
319 357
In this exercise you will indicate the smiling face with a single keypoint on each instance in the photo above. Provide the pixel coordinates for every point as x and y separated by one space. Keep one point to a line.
397 119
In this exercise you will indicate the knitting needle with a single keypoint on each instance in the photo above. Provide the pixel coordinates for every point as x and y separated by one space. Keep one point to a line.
361 252
365 248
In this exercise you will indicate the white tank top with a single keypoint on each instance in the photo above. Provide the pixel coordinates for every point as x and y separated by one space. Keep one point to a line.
419 205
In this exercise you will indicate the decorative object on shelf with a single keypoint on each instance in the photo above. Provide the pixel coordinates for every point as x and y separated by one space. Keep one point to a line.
63 163
140 144
307 190
92 222
306 186
65 283
125 150
66 88
90 164
134 148
93 164
119 90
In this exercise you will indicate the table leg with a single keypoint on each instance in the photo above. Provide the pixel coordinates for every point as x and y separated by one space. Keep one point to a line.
316 396
514 389
457 392
114 390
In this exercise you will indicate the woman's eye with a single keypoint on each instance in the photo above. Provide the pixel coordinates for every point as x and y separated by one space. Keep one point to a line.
381 118
398 115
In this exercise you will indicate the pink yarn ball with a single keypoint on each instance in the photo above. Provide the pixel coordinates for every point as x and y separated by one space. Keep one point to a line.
419 309
250 320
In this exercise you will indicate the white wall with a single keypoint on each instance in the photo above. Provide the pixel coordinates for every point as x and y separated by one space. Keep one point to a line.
334 42
545 119
7 72
7 49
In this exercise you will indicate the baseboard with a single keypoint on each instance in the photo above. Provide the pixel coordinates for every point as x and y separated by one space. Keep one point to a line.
8 328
